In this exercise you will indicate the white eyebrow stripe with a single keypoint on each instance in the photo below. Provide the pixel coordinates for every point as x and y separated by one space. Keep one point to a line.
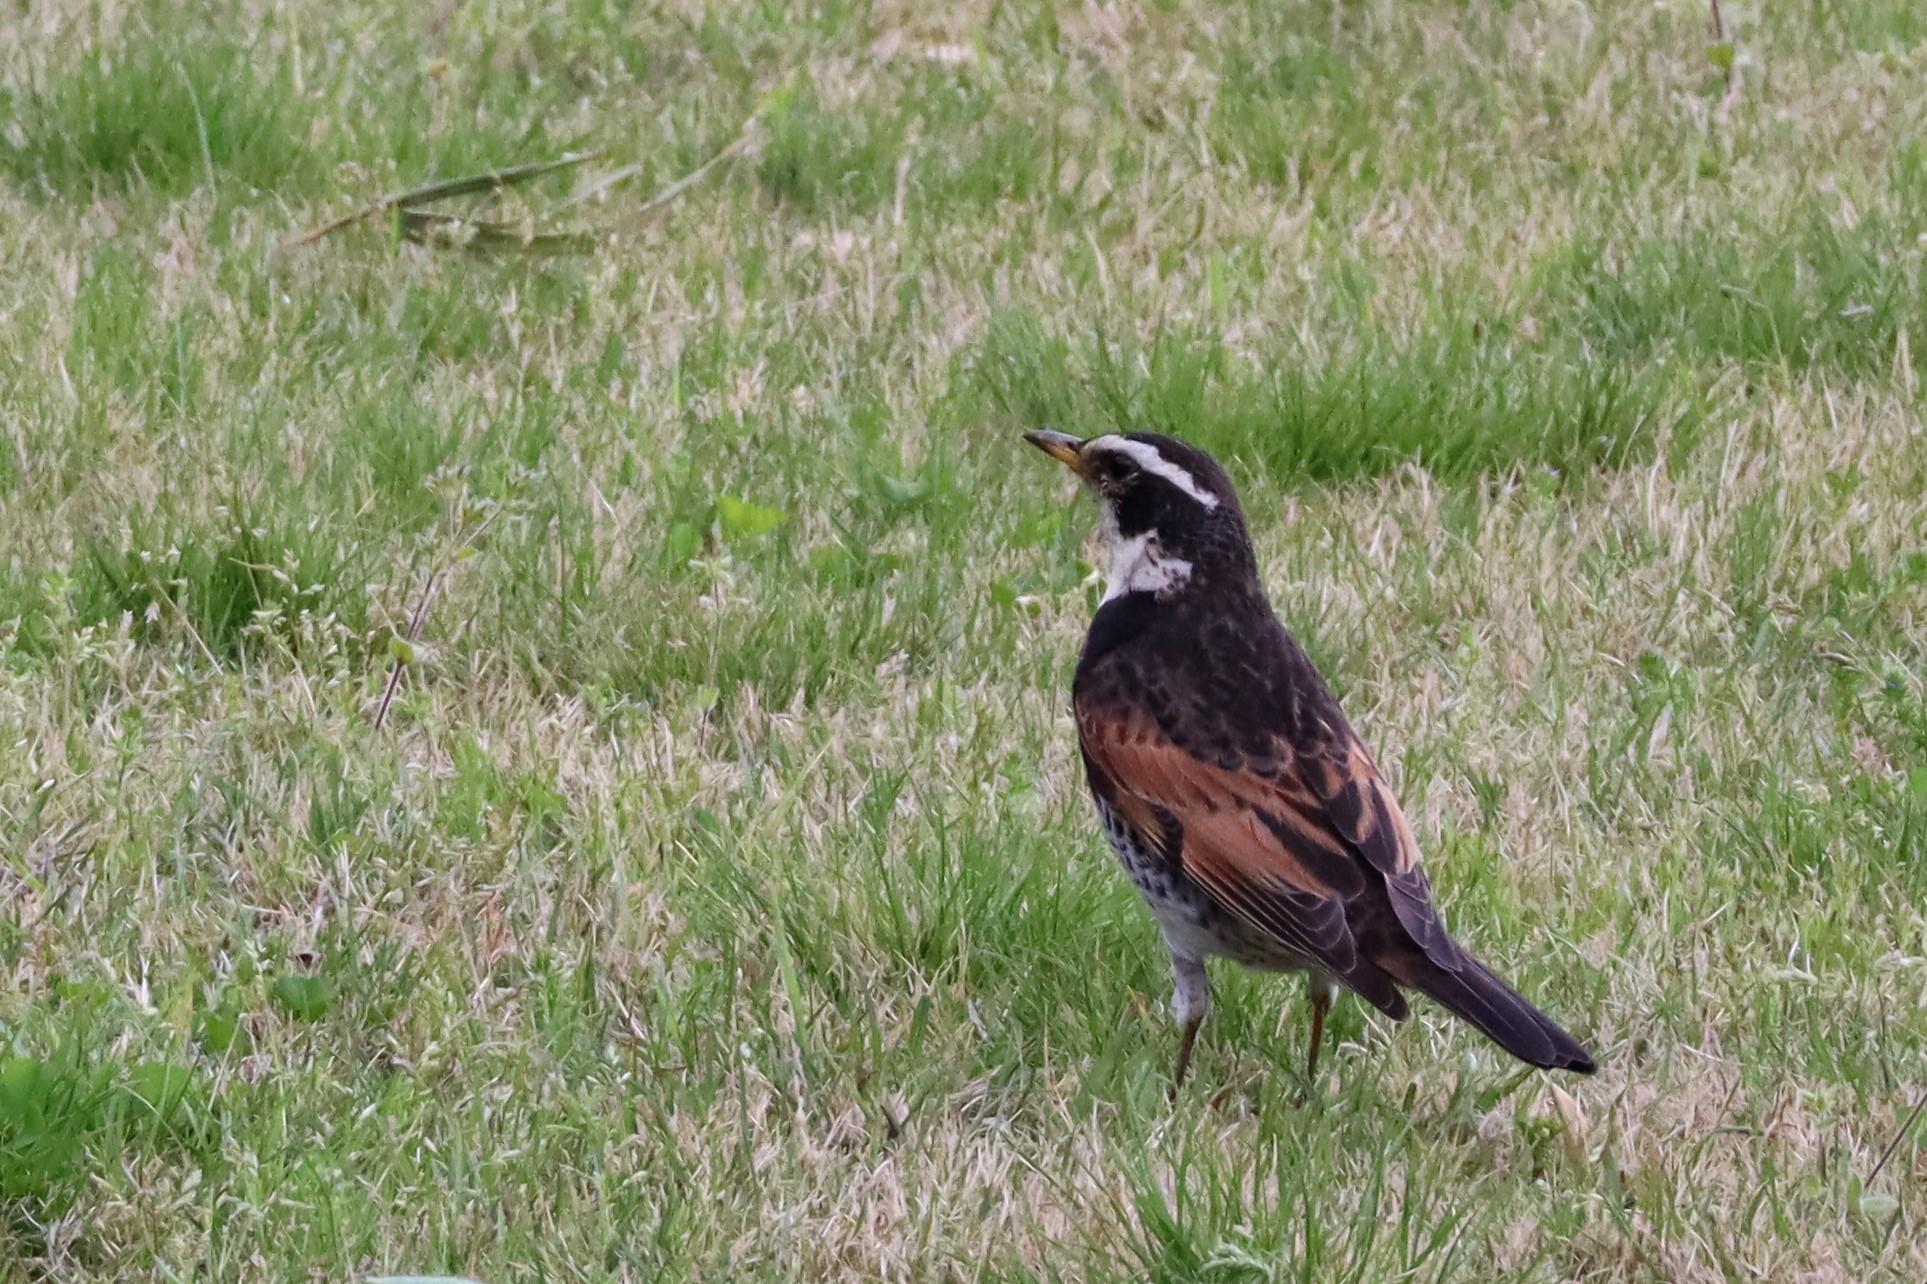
1151 460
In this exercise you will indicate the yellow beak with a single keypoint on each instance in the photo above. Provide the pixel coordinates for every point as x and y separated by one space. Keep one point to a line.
1060 446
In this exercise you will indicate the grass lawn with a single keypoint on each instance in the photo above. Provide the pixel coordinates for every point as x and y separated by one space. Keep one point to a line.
717 898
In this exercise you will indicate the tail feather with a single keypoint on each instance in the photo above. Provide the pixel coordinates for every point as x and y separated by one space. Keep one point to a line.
1501 1013
1377 987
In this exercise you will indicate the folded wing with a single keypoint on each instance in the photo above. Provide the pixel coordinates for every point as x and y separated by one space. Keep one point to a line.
1296 848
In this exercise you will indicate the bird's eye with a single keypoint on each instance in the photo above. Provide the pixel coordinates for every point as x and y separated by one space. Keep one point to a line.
1121 468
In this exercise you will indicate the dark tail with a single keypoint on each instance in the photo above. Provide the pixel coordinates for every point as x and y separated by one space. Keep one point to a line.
1470 989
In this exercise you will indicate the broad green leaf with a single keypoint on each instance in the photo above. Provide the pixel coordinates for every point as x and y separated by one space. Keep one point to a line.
175 1099
898 490
25 1083
832 561
306 997
163 1087
701 700
741 519
682 542
219 1027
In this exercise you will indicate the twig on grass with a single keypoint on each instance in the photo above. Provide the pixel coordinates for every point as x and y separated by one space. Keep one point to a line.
402 648
492 181
667 194
426 226
404 654
1913 1117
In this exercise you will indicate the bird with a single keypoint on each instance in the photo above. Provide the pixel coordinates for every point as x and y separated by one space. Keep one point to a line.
1233 790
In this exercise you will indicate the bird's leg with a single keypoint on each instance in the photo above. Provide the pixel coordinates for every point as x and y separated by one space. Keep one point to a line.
1190 1005
1321 990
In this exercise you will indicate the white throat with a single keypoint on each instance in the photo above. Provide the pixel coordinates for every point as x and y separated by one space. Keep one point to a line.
1138 565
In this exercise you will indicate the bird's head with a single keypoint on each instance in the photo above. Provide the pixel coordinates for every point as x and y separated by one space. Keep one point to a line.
1170 518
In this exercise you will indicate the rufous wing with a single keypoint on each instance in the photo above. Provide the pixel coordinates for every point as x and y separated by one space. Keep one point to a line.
1256 838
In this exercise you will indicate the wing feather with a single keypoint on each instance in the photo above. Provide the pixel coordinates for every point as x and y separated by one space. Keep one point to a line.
1253 842
1361 809
1287 846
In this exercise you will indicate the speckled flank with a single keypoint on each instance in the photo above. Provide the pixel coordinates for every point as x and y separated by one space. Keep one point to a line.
1193 927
